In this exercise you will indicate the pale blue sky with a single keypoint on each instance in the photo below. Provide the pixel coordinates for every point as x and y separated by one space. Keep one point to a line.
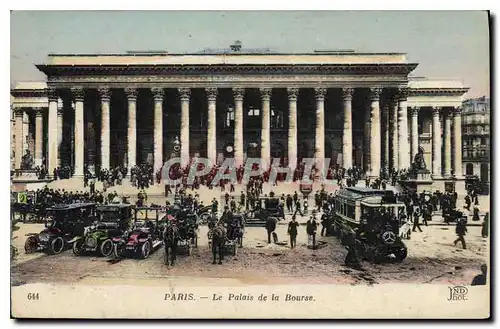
445 44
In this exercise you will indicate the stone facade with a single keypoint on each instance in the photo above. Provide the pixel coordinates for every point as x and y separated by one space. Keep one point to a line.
358 109
476 138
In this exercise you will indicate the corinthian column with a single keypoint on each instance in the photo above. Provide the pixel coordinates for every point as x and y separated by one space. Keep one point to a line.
436 143
265 148
385 137
394 135
414 132
293 94
52 135
105 94
238 94
319 150
78 95
366 141
158 94
131 127
447 144
60 111
212 127
457 142
347 135
19 113
375 139
38 136
185 94
404 155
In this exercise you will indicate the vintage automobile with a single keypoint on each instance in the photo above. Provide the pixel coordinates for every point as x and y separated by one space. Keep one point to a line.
144 236
111 220
64 222
377 219
264 207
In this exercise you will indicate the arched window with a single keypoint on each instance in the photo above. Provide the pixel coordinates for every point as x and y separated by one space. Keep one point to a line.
229 121
276 119
253 112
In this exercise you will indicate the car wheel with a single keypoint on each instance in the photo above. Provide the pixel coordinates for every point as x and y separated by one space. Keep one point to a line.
145 249
78 247
57 245
107 248
119 250
31 245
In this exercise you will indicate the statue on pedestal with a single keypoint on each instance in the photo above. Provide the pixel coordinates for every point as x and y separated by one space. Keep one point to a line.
27 161
419 161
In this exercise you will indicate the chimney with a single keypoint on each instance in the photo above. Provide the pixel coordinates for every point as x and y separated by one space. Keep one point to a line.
236 46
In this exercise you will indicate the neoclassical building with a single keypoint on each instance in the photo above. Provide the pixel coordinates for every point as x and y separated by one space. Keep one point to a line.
358 109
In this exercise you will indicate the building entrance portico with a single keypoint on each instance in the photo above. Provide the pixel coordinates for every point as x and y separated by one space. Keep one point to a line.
359 109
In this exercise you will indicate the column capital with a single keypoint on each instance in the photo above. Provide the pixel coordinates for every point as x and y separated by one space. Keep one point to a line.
238 94
18 112
184 93
211 93
265 93
414 111
319 93
78 94
347 93
436 110
402 93
375 93
105 93
457 111
52 94
158 93
39 111
293 93
131 94
448 114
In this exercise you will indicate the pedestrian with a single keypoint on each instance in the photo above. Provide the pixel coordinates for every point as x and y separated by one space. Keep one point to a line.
485 225
461 230
426 215
297 209
416 219
467 202
324 224
293 231
311 228
480 279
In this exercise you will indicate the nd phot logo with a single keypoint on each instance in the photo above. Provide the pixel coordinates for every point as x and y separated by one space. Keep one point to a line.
458 293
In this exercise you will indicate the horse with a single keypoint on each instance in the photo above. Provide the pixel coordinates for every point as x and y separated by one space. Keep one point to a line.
219 237
170 240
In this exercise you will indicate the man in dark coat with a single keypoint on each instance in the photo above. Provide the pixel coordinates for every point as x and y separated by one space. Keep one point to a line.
270 227
293 231
311 228
480 279
324 224
416 220
461 230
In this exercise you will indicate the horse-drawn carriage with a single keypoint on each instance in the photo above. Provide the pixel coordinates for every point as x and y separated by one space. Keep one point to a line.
233 229
187 224
145 235
375 218
65 222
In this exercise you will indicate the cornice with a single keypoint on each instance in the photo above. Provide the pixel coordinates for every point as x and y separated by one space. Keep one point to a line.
62 70
437 91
